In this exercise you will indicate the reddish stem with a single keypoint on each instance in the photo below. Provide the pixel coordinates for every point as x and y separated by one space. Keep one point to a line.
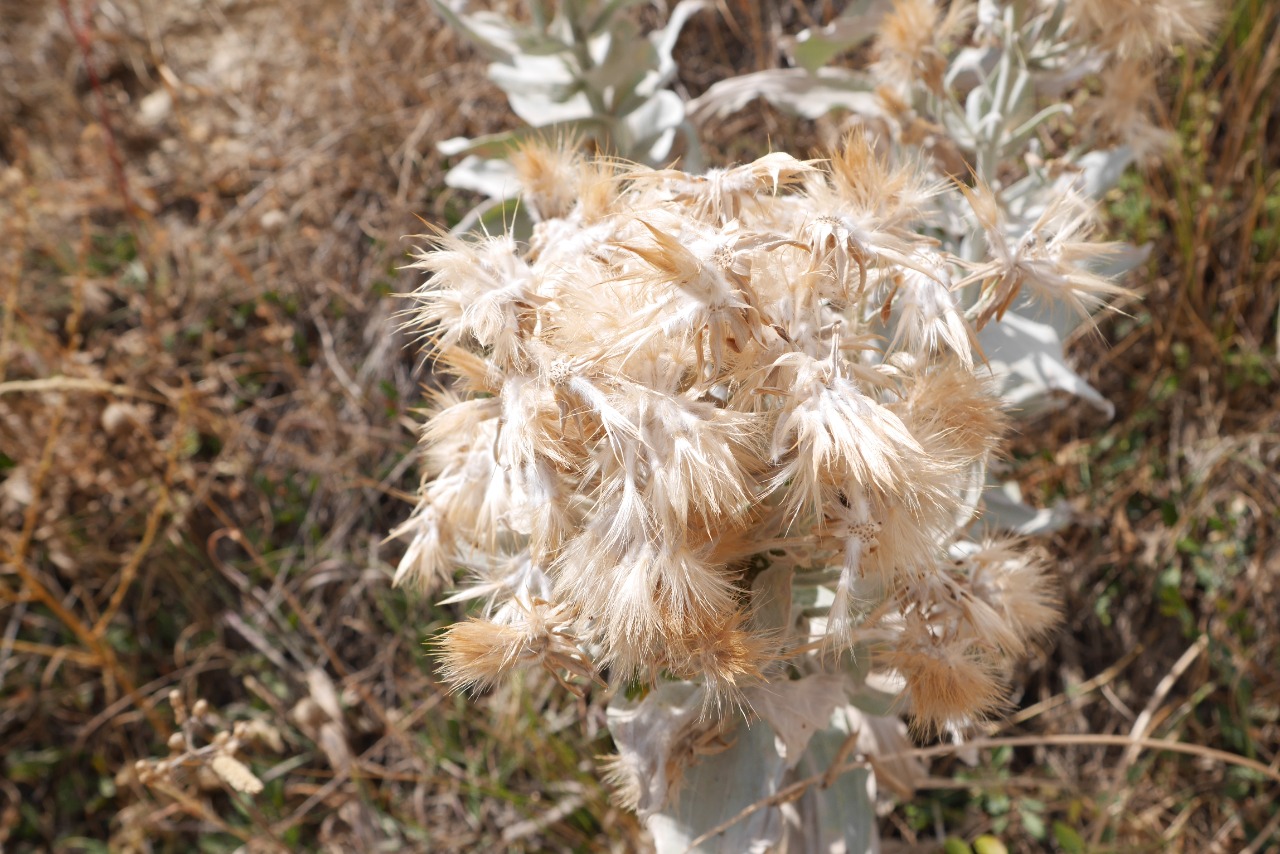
82 35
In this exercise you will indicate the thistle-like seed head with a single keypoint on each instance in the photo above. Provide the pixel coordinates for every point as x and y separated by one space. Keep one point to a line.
682 382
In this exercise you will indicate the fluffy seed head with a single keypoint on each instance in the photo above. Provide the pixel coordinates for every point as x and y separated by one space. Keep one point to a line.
685 382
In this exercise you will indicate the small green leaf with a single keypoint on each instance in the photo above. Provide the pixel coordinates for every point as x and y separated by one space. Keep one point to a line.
1067 838
83 844
956 846
1033 823
988 844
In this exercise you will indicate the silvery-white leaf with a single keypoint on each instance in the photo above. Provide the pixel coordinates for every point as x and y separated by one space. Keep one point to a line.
793 89
842 817
453 145
858 667
818 599
644 731
547 76
1120 262
975 106
972 497
959 129
534 43
661 65
989 15
1099 171
871 696
505 143
541 10
971 66
1025 198
561 25
664 40
692 162
1021 99
718 788
599 45
660 148
538 111
1028 358
625 73
1023 132
637 132
495 35
533 73
1054 84
797 708
1004 510
500 38
885 737
812 597
494 178
771 593
811 49
495 216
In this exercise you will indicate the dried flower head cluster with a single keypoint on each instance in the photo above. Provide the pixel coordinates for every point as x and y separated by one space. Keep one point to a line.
214 764
680 382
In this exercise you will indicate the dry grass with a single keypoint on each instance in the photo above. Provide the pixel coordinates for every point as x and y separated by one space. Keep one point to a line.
203 431
202 441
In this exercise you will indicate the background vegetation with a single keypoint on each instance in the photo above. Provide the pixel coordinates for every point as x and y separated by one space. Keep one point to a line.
205 433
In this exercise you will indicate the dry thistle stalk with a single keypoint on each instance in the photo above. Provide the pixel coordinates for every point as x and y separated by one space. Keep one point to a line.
684 384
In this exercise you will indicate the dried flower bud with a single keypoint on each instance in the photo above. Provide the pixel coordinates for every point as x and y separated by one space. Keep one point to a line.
235 774
179 706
